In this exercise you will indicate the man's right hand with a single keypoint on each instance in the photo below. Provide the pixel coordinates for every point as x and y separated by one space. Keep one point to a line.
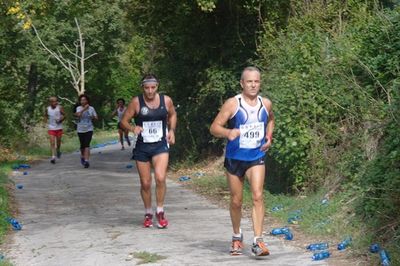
233 134
137 130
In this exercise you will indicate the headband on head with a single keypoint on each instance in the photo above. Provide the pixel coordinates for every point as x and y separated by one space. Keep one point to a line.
149 80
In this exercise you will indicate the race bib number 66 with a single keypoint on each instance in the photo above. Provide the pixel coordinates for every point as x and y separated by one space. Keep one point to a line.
251 135
152 131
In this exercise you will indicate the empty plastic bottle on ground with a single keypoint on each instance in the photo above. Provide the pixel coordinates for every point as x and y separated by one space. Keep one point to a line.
318 246
321 255
385 259
374 248
279 231
344 244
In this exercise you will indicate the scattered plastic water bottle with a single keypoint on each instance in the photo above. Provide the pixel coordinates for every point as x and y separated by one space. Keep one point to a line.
25 173
294 219
279 231
289 235
199 174
129 166
184 178
277 208
374 248
318 246
20 186
324 201
24 166
321 255
14 223
344 244
385 259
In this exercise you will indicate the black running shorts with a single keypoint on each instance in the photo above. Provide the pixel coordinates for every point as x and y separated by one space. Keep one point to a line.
85 139
144 152
239 168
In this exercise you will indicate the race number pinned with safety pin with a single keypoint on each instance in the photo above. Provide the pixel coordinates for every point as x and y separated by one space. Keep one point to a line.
251 135
152 131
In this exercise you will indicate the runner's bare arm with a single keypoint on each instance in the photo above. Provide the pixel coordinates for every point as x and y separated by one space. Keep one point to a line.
218 128
95 117
130 112
270 126
172 120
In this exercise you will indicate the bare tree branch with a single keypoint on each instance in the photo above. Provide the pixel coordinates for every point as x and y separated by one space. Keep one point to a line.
66 99
76 68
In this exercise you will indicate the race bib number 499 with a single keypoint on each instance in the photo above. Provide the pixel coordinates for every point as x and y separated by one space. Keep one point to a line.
251 135
152 131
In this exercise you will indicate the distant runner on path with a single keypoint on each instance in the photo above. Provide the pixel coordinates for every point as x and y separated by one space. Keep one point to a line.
250 123
54 116
155 124
119 112
85 114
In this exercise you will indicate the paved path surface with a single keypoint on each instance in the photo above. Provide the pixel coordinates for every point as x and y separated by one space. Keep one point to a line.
76 216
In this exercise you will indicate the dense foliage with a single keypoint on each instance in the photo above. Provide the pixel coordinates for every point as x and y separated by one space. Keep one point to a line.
331 69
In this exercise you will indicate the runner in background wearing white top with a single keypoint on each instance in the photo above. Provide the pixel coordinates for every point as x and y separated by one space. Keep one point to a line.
155 123
85 114
250 123
54 116
119 111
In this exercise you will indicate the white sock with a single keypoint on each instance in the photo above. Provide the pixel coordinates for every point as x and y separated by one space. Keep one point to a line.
160 209
148 211
255 239
237 235
53 157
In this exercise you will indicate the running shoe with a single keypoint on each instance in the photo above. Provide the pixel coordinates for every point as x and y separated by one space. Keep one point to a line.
82 161
237 245
128 141
86 164
162 221
53 161
148 220
58 154
259 248
122 148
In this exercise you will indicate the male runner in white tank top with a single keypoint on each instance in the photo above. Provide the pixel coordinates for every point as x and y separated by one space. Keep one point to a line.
250 123
54 116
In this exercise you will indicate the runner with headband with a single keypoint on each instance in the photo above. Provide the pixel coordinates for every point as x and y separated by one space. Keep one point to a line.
155 124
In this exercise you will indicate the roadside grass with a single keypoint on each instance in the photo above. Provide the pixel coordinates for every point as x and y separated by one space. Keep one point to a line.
147 257
330 222
70 143
4 201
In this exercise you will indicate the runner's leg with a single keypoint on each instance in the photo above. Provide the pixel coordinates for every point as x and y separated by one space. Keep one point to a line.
59 146
256 176
121 137
53 146
144 169
160 164
236 188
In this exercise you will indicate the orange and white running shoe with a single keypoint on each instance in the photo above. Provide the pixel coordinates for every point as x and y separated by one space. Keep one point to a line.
259 248
237 246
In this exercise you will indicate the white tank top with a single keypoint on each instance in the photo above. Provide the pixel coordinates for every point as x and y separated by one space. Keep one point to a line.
53 116
120 113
